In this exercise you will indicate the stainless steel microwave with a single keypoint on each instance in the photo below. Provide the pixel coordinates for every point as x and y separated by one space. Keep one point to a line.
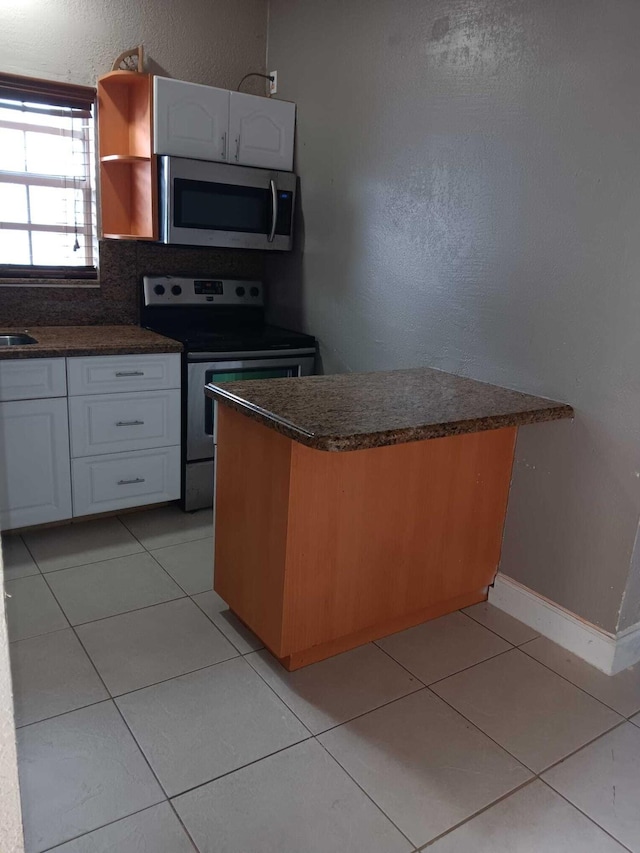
216 204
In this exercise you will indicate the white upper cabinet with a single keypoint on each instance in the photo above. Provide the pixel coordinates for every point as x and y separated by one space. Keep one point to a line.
261 131
206 123
190 120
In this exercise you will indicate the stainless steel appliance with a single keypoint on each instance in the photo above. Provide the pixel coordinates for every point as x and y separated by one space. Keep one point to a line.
220 323
215 204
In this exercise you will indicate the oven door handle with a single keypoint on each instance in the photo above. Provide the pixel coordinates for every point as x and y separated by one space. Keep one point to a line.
274 210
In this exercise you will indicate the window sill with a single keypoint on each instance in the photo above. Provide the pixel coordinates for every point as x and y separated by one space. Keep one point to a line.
56 283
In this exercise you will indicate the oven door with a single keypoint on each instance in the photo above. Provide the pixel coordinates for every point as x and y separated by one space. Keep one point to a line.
215 204
202 369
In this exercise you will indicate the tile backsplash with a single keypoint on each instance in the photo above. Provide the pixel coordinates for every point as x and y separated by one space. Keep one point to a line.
116 300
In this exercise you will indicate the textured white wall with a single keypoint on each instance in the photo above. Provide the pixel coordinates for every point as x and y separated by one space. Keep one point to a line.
10 816
204 41
470 199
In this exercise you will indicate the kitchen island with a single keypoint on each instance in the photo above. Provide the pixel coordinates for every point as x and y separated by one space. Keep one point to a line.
355 505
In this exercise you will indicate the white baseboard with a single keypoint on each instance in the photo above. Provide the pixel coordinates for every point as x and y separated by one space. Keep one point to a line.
607 652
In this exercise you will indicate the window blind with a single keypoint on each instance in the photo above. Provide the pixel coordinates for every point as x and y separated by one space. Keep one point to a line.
47 184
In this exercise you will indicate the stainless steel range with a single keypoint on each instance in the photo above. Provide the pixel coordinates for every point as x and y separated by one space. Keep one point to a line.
220 323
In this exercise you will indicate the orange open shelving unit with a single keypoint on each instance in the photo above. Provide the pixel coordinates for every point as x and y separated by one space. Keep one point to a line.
128 171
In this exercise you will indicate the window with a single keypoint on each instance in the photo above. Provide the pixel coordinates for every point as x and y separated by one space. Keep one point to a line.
47 180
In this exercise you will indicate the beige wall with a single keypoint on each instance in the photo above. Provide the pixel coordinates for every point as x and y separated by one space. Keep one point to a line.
204 41
471 201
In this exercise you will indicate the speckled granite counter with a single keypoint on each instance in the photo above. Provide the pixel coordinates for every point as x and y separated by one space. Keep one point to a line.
354 411
60 341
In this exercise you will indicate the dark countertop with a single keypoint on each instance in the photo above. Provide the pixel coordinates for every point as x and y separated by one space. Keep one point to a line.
354 411
60 341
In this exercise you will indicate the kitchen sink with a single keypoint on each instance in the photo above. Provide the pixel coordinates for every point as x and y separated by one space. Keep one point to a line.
16 340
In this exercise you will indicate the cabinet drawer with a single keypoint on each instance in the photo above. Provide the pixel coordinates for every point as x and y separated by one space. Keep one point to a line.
120 480
113 423
108 374
32 378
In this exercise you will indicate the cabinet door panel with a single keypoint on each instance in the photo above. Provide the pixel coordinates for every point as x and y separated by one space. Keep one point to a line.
190 120
35 481
261 131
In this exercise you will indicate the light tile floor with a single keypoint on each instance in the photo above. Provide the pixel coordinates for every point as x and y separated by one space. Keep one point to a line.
151 719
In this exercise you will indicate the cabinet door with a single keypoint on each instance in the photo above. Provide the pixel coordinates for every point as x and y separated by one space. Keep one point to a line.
190 120
261 131
35 476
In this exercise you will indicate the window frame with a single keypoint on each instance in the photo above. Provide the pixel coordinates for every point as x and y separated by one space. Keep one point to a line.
64 96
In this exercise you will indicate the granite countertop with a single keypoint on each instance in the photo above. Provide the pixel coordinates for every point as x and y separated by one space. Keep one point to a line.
60 341
354 411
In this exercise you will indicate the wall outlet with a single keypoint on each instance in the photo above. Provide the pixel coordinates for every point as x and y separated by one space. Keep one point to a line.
273 84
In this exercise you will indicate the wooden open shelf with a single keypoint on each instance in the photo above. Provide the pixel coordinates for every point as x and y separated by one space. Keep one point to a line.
124 158
128 170
128 199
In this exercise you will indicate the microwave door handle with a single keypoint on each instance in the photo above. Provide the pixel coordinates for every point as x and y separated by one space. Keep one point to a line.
274 210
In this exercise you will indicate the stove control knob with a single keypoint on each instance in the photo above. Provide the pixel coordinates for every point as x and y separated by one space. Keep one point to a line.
254 291
176 290
159 289
239 291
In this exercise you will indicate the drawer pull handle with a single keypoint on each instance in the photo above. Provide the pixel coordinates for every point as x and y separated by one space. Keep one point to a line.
129 372
129 482
129 423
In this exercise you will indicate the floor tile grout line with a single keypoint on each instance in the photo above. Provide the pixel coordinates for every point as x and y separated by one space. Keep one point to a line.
113 696
519 760
244 654
125 612
103 826
184 826
590 742
464 669
148 550
177 544
140 749
573 684
366 793
90 563
425 847
169 575
401 665
482 625
238 769
35 636
337 725
62 527
589 818
477 728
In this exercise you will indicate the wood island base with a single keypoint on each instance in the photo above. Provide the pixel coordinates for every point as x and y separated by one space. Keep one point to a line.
318 552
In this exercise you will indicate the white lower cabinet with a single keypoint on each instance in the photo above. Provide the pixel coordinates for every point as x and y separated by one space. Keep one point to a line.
35 481
120 480
112 443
